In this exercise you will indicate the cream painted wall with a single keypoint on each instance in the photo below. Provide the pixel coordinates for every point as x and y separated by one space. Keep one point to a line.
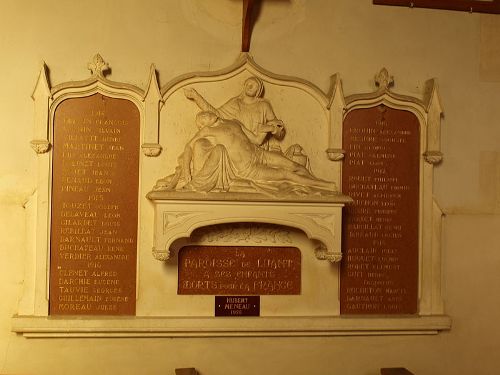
311 40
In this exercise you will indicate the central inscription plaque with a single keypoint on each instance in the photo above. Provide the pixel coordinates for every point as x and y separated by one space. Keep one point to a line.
379 270
94 207
239 270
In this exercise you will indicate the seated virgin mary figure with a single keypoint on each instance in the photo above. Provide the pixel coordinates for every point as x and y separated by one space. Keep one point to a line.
256 114
222 158
249 108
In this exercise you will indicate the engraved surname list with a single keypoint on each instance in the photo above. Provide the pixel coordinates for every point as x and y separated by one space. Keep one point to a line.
379 271
94 207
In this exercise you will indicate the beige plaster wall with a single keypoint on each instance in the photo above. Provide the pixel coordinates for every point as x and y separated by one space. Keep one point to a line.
311 40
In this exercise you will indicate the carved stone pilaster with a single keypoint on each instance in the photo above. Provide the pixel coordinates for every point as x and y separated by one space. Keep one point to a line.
152 105
336 108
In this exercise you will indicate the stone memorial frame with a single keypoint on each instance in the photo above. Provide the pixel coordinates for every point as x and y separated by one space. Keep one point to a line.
317 221
428 111
35 297
177 215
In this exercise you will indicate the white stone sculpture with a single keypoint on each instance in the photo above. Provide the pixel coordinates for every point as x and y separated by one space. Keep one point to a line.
250 108
256 114
224 157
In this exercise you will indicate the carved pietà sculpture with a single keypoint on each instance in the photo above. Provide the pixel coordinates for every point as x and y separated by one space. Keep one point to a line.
236 149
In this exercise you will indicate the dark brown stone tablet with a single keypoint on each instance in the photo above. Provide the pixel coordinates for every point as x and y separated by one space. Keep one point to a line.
236 306
379 269
239 270
93 239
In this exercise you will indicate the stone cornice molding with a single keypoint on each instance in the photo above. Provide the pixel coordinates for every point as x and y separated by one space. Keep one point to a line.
177 219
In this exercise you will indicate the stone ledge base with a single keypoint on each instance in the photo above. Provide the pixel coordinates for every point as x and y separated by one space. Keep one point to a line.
33 327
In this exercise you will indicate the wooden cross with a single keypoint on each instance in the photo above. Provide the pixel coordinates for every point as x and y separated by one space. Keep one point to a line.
478 6
251 10
246 32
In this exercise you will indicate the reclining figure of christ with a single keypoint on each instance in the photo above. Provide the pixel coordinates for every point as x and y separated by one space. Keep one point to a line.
221 158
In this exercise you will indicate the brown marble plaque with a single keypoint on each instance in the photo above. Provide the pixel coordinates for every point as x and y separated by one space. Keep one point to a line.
237 306
379 270
95 182
243 270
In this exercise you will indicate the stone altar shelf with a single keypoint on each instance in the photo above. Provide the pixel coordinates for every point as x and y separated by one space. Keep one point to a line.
178 214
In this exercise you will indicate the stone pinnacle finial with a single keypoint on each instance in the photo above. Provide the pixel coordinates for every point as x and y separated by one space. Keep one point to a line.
98 66
383 80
